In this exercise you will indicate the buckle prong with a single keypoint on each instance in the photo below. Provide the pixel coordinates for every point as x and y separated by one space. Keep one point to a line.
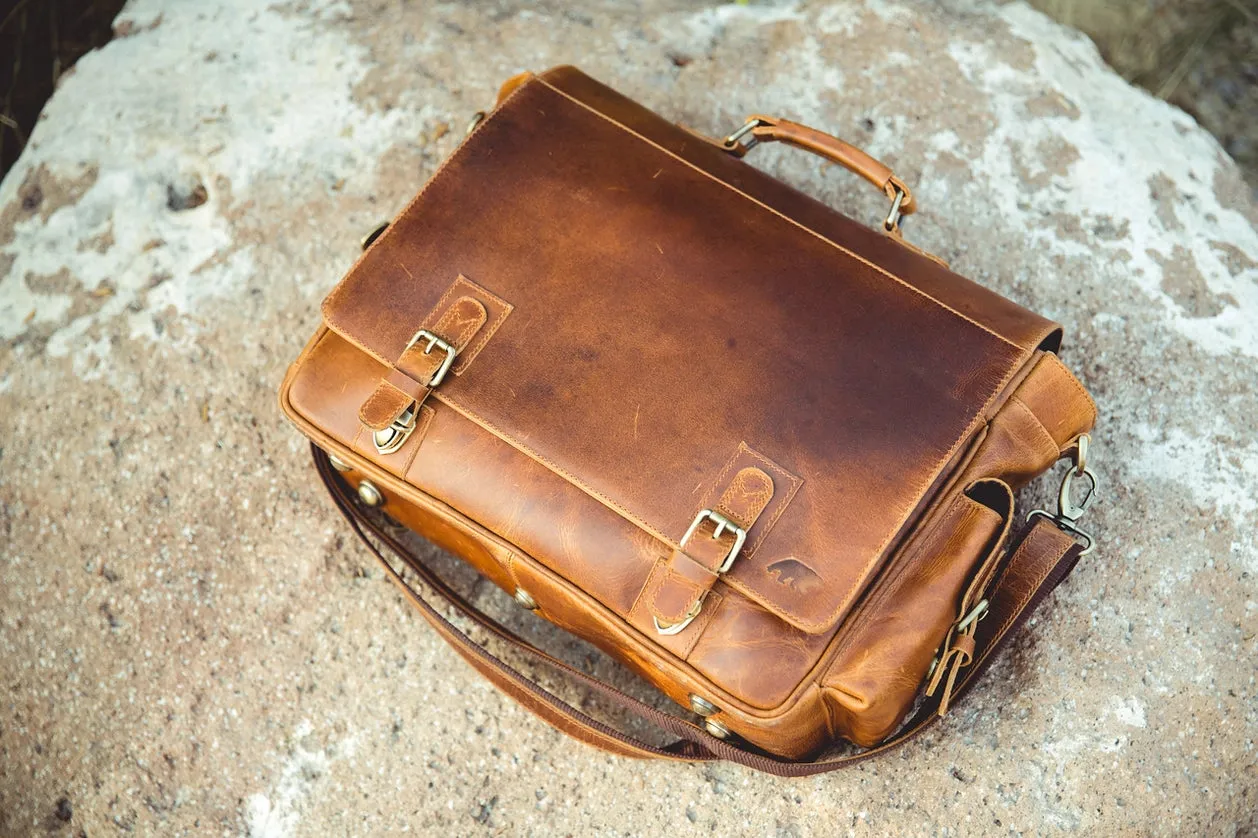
722 525
435 342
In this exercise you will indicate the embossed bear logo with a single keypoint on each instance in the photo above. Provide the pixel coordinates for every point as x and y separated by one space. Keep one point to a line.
795 575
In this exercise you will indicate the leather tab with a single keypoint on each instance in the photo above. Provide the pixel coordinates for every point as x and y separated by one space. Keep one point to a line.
684 585
747 496
693 567
386 403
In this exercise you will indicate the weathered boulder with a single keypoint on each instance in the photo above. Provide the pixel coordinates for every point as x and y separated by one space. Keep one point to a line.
190 644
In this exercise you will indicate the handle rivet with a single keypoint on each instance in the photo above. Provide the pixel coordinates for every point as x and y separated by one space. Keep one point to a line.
525 600
369 494
338 463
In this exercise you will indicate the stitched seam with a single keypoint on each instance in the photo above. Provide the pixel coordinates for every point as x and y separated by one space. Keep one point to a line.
987 566
470 353
1022 602
1036 423
426 413
336 292
339 289
770 209
380 398
670 578
711 605
473 326
696 595
977 584
794 481
779 508
868 612
652 584
759 500
555 467
467 354
721 478
1073 380
653 652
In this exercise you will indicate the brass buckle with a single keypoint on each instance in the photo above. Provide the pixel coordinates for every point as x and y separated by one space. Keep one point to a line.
393 437
1069 511
434 341
723 524
668 630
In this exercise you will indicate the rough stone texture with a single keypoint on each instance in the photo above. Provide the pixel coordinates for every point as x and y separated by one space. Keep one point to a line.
189 643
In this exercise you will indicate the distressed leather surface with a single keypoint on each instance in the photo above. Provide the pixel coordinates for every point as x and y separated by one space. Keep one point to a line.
678 317
662 319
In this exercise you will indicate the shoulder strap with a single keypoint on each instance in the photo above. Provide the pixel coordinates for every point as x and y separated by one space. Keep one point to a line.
1038 561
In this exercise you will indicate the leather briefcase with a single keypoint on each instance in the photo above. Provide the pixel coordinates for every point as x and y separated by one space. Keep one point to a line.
762 454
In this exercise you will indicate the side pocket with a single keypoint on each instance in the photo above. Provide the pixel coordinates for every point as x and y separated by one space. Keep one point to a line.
880 666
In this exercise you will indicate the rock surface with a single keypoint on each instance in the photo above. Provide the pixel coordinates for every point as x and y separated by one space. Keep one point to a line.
189 642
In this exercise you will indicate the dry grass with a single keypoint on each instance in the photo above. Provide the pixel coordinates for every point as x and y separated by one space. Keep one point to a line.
39 40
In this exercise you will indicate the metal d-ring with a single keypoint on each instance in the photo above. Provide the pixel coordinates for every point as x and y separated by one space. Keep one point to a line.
731 142
892 221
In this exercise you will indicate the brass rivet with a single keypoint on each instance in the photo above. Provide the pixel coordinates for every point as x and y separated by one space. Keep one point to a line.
702 706
525 600
369 494
369 239
338 463
717 729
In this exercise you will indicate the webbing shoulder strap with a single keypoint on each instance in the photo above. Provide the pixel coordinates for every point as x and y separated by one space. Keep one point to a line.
1041 557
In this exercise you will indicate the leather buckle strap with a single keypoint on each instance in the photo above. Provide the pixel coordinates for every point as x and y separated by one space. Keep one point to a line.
435 342
698 562
391 411
722 524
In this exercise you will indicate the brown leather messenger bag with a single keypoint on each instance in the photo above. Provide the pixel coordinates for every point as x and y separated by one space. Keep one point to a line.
763 455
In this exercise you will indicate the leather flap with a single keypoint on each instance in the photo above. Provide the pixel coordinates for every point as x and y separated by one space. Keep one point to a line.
664 321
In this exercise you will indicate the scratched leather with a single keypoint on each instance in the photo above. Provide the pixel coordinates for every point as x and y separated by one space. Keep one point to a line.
620 260
661 324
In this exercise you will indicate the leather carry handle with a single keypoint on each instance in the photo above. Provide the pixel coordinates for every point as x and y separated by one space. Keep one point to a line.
768 129
1037 563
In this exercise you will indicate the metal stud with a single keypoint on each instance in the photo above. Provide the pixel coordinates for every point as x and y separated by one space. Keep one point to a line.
702 706
369 494
717 729
525 600
369 239
338 463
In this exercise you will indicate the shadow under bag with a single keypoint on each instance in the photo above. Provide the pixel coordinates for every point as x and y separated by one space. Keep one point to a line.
762 454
